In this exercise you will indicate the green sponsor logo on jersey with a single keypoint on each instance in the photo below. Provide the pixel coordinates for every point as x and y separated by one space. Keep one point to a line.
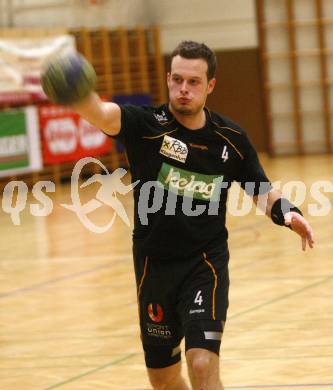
192 184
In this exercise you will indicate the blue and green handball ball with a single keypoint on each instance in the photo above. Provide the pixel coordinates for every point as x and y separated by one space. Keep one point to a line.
68 79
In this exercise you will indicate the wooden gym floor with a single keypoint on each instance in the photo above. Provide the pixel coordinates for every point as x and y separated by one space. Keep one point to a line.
68 316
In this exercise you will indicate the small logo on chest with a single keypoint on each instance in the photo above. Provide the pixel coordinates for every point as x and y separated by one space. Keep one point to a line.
173 148
161 117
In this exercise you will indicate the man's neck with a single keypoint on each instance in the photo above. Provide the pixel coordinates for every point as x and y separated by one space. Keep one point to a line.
192 122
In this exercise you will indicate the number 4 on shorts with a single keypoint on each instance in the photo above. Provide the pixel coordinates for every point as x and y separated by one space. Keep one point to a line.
198 298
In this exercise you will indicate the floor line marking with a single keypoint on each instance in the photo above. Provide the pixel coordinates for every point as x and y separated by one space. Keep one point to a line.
74 378
280 298
49 282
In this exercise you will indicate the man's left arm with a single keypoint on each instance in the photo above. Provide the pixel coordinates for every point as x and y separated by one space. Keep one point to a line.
284 213
279 209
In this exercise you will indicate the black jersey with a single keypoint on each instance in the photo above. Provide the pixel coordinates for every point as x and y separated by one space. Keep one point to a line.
189 165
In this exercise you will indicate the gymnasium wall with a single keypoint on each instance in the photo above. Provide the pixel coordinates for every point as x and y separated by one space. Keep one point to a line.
222 23
3 14
227 26
77 13
230 28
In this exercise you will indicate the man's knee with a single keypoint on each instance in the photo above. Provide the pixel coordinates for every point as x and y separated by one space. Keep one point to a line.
200 365
203 363
158 382
164 378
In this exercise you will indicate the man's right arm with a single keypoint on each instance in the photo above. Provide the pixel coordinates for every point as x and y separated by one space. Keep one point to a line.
104 115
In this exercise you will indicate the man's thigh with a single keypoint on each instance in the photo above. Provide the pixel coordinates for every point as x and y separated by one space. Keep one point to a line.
203 302
160 325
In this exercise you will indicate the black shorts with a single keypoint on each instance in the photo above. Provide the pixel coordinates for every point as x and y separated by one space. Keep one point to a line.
184 297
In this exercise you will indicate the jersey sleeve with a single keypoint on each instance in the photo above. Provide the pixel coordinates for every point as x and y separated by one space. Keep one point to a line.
252 176
132 118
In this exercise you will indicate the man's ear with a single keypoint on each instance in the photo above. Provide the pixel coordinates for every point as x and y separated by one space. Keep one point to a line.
211 85
168 77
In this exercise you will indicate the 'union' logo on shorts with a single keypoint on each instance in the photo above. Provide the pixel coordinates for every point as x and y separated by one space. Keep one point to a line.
157 314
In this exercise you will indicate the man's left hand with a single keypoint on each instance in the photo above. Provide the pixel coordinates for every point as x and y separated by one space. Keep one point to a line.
300 226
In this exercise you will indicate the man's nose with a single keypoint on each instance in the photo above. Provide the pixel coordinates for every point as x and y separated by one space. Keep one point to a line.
183 88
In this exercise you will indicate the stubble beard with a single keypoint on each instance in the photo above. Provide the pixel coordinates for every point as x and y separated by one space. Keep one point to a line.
186 111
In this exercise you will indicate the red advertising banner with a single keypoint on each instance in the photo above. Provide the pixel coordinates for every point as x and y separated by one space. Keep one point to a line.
68 137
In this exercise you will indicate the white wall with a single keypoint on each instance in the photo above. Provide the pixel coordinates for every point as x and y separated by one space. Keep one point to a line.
77 13
219 23
3 13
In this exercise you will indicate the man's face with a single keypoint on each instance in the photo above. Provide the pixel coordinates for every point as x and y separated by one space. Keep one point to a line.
188 85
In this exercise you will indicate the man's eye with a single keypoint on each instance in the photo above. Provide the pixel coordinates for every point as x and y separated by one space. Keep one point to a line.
193 82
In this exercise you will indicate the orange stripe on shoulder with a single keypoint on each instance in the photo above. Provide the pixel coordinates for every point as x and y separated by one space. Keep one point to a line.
226 128
160 135
222 127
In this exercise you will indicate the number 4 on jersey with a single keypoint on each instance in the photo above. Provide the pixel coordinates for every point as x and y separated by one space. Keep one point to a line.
198 298
225 154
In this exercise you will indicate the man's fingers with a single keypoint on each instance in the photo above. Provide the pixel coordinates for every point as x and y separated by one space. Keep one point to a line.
302 227
309 234
310 239
304 243
307 238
